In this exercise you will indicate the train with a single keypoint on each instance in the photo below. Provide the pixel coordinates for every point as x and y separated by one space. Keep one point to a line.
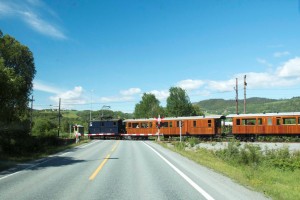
241 126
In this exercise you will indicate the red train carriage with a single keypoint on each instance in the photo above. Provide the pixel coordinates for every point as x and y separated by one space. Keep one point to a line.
170 126
140 128
278 124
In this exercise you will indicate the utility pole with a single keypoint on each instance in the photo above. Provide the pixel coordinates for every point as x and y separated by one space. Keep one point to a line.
245 84
236 96
180 129
58 118
31 101
91 105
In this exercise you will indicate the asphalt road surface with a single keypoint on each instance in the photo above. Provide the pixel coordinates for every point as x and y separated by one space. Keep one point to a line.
109 169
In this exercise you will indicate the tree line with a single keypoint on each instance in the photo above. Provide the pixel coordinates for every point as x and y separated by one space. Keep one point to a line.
178 105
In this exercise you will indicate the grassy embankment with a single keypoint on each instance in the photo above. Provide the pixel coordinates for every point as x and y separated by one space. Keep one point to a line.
276 173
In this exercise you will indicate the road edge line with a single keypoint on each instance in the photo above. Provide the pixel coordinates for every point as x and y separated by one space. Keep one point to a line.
185 177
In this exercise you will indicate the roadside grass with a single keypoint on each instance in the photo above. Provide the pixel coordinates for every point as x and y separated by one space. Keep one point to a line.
9 160
275 173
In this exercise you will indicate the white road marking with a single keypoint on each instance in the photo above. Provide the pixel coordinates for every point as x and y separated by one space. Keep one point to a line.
190 181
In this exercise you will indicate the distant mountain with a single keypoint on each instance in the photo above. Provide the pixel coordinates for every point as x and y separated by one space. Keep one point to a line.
253 105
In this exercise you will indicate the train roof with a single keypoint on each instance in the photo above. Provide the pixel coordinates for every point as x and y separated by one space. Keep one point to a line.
177 118
264 114
105 120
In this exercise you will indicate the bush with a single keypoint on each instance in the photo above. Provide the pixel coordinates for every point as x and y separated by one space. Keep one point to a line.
283 159
250 155
230 153
44 127
179 145
193 141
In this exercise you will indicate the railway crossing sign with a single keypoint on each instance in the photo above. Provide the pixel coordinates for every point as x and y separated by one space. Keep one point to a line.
158 120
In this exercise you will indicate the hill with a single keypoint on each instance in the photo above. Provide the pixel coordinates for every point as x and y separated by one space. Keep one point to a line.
253 105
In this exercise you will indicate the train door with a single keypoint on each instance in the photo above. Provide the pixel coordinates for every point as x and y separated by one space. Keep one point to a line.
217 126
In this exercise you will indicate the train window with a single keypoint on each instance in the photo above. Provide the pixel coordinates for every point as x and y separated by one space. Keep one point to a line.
287 121
115 124
209 123
129 125
164 124
102 123
144 125
238 122
259 121
270 121
171 124
178 123
150 124
278 121
135 125
194 123
248 121
299 121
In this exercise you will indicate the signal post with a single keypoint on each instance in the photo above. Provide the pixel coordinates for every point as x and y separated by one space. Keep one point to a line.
158 120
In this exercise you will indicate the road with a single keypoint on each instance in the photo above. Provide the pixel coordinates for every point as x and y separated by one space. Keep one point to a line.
110 169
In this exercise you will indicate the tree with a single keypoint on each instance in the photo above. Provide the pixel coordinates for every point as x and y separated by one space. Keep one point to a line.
197 110
148 107
17 71
44 127
178 103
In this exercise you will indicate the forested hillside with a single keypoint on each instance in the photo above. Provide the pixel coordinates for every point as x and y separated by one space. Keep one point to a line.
253 105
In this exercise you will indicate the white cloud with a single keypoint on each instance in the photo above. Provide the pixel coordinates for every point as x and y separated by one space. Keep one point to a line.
160 95
45 88
29 12
190 84
281 54
221 86
291 68
74 96
116 99
131 91
42 26
126 96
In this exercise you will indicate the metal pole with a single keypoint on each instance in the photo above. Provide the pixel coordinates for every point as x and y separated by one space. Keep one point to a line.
91 105
245 84
237 96
158 127
180 129
58 118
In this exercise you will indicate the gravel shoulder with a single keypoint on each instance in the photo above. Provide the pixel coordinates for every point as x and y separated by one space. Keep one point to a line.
222 145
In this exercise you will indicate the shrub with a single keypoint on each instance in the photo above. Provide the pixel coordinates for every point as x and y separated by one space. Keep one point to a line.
193 141
180 145
250 155
283 159
229 154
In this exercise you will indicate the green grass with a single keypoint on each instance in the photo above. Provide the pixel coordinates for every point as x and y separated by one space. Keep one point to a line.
278 183
70 114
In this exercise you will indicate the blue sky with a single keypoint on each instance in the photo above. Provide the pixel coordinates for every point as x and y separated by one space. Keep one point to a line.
92 53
